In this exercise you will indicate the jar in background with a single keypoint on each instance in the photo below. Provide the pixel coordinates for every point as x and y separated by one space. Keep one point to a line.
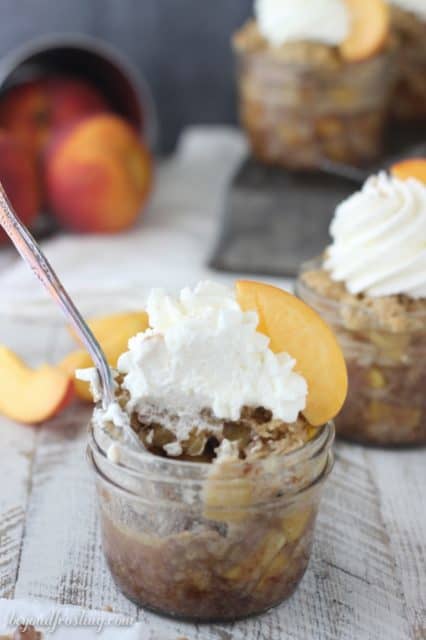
302 104
386 402
209 542
409 100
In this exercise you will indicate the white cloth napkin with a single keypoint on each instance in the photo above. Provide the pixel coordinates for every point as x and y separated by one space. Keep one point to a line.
168 248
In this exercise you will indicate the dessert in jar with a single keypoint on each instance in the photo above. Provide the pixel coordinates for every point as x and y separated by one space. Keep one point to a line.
371 286
214 518
409 24
314 80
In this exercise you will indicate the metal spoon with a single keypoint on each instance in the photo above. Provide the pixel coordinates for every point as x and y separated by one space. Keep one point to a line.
31 253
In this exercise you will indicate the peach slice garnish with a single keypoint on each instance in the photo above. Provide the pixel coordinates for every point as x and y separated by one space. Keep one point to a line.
292 326
370 25
30 395
410 168
113 333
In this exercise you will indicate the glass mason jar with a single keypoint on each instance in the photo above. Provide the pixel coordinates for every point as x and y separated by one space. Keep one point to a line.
209 542
296 114
386 402
409 100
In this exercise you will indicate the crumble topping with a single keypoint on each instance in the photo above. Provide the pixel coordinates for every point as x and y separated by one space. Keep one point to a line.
257 434
395 314
249 39
407 24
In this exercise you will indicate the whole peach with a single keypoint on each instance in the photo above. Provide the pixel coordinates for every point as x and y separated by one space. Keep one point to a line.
72 99
98 175
23 112
35 110
19 177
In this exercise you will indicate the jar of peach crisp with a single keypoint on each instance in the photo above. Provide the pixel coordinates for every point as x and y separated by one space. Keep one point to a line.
302 103
384 343
203 541
409 99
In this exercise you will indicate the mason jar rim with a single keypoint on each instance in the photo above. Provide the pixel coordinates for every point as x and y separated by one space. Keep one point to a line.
332 305
173 470
286 496
386 56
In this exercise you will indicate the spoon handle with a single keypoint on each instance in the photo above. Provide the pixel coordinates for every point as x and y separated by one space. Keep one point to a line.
38 263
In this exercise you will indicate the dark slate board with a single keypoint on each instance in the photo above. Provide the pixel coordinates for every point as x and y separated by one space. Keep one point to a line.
275 219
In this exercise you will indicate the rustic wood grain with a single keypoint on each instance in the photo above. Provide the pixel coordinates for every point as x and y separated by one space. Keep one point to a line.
366 579
401 483
17 446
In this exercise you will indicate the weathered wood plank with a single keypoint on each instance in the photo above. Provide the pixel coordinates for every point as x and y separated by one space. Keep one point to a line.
61 556
16 448
401 481
366 579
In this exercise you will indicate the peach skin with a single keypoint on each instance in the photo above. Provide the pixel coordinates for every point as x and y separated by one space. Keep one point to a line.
370 26
35 110
71 100
292 326
410 168
98 175
19 176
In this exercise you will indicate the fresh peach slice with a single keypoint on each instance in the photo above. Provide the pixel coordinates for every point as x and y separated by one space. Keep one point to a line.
104 327
295 328
410 168
370 25
113 333
29 395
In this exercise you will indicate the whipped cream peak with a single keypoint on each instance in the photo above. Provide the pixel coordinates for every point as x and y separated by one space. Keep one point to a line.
417 7
379 239
207 299
203 353
324 21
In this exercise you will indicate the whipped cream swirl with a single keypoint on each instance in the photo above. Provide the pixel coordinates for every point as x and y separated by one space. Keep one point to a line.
203 352
418 7
280 21
379 239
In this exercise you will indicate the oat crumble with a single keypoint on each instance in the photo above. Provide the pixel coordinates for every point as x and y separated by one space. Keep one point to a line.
396 314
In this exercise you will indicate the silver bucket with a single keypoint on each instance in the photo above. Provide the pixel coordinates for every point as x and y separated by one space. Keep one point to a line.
102 65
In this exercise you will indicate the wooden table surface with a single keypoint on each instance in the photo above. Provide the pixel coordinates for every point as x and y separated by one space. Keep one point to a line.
367 575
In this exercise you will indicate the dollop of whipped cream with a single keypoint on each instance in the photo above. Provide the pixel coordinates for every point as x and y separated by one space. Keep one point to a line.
280 21
418 7
379 239
203 352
